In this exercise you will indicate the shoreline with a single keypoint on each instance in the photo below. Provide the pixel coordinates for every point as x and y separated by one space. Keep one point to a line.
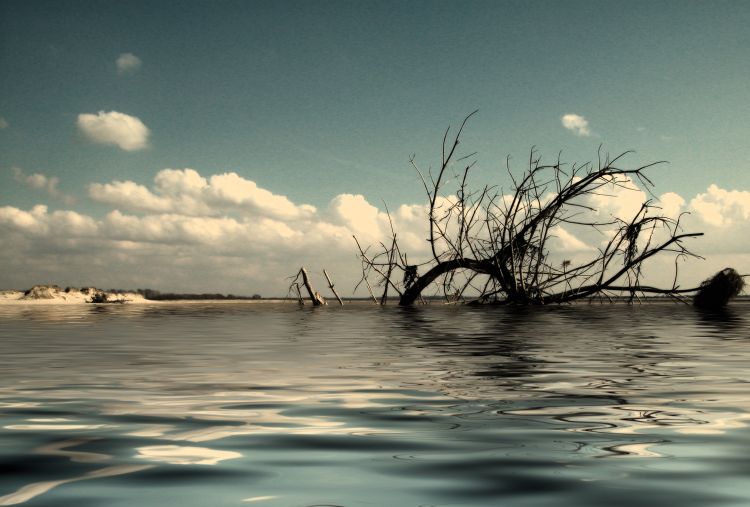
17 298
74 297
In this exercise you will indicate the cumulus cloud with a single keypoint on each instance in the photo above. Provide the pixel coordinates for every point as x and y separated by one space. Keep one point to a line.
185 191
576 124
24 221
189 232
724 216
167 251
230 189
129 195
671 204
620 198
128 63
43 182
562 241
4 123
127 132
207 233
358 215
722 208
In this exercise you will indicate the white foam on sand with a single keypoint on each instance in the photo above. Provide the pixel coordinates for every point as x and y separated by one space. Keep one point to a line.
52 294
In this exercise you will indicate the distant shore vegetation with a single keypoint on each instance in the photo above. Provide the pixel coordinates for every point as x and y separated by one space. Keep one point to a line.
156 295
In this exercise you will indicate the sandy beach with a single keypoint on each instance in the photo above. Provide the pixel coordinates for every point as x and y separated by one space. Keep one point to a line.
52 294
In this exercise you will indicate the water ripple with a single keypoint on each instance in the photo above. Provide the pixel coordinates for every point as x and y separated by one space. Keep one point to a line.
282 406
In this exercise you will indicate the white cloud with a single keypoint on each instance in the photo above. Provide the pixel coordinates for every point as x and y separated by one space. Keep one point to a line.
621 198
671 204
42 182
24 221
38 181
170 251
230 189
358 215
190 232
129 195
563 241
724 216
127 132
128 63
577 124
722 208
4 123
185 191
180 181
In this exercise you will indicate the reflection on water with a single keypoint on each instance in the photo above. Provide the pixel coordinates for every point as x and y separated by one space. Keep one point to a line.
283 406
177 455
35 489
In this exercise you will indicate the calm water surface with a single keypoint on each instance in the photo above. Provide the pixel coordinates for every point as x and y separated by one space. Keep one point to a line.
275 405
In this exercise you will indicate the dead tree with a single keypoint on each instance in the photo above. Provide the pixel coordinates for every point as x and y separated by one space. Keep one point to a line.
315 297
719 289
332 287
300 299
494 248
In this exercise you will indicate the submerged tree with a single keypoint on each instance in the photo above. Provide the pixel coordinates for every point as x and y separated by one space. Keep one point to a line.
719 289
492 247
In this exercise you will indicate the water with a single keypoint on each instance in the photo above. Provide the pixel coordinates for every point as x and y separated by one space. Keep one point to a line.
275 405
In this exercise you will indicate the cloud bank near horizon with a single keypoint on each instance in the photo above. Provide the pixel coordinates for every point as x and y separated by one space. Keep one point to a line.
224 233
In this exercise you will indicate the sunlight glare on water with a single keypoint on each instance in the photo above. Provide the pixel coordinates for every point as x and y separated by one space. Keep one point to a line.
276 405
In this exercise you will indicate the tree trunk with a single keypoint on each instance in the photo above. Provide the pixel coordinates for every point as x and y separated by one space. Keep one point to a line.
413 292
317 299
330 286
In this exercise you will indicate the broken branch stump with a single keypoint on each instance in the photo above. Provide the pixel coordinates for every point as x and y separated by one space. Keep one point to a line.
317 299
330 286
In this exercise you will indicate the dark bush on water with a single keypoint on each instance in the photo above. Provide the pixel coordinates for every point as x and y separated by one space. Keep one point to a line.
719 289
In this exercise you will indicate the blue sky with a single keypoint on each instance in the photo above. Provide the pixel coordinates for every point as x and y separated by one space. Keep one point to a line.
311 100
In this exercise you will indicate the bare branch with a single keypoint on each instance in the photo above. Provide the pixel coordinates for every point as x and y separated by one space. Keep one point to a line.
496 246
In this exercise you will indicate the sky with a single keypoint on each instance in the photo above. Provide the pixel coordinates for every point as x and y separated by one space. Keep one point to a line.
218 146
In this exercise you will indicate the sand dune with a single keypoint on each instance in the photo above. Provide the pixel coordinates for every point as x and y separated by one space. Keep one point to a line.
52 294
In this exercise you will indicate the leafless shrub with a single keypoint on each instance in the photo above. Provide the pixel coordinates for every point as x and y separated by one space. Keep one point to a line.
489 247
